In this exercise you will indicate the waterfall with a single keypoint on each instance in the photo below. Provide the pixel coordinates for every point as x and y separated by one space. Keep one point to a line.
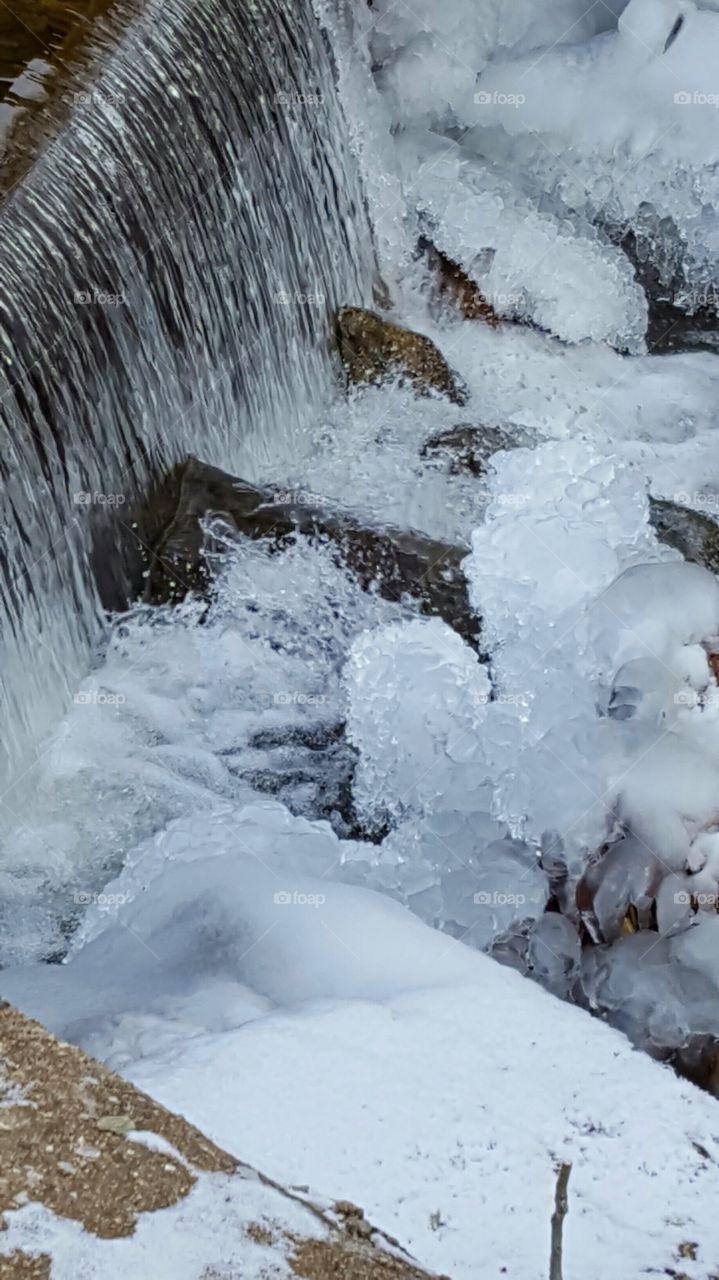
168 267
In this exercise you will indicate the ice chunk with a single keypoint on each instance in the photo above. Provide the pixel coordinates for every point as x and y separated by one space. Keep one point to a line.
528 264
554 953
658 611
657 1001
628 875
418 698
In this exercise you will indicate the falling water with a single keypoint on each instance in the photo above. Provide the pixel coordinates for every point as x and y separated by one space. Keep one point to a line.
167 271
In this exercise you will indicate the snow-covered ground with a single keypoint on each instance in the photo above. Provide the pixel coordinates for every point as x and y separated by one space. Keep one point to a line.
328 1036
240 957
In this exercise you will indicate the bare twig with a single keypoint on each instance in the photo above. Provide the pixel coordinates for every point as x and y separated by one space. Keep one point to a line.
561 1205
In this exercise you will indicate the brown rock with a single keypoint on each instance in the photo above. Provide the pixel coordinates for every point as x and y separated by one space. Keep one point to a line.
397 563
25 1266
373 349
454 285
53 1151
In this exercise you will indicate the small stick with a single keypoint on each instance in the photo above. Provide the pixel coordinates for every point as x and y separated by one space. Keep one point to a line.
561 1204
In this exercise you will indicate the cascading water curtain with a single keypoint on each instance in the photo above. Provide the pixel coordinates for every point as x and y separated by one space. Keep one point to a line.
168 269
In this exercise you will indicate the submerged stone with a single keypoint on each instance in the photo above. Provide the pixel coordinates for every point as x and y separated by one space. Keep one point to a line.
468 449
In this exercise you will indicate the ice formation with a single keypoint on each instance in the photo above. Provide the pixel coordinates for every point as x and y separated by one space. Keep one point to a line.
528 263
418 697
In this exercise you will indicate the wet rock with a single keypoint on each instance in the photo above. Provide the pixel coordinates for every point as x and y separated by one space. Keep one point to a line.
454 286
468 449
694 534
373 349
396 563
679 319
